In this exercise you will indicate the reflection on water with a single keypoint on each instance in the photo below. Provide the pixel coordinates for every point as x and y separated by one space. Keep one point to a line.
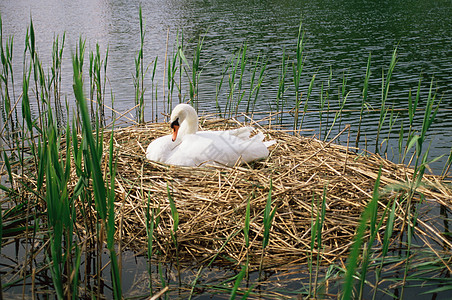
339 37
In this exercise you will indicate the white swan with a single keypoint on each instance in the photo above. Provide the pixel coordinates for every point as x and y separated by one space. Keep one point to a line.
189 147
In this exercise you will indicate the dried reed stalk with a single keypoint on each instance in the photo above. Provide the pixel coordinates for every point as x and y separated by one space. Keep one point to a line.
211 201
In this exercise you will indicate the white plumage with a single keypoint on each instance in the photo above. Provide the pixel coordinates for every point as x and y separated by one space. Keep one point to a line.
189 147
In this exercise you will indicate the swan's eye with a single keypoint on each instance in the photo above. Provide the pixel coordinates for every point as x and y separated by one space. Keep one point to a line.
175 123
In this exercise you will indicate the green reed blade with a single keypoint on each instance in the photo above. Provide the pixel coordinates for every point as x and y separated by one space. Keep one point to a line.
268 217
103 197
99 187
246 228
385 245
297 70
358 240
447 165
237 282
308 95
150 225
364 99
174 212
280 103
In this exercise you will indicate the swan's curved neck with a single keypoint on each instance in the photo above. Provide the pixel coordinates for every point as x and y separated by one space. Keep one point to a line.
187 118
189 125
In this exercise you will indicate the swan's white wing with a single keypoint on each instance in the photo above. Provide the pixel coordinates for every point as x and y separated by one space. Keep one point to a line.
210 147
229 146
160 149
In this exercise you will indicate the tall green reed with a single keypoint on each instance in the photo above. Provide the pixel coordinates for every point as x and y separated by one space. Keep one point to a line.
338 114
385 87
267 222
365 92
193 71
369 215
316 242
306 102
152 221
241 94
104 193
140 73
411 225
7 83
175 216
429 116
55 79
97 85
385 245
173 66
60 208
280 99
297 70
259 68
324 99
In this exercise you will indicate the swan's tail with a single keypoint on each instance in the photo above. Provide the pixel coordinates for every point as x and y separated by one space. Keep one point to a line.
269 143
242 132
245 132
260 137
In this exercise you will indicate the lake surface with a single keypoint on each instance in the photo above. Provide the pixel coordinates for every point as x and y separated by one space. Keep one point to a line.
339 36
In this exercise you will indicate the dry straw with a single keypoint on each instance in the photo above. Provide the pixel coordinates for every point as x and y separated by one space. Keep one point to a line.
211 202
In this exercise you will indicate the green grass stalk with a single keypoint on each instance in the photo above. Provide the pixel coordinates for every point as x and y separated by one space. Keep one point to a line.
385 87
280 99
238 281
268 219
150 225
326 100
218 89
103 196
352 263
139 73
154 106
410 233
429 117
297 69
385 245
254 89
175 216
392 120
195 72
337 115
306 102
171 73
316 242
364 100
7 83
55 79
241 92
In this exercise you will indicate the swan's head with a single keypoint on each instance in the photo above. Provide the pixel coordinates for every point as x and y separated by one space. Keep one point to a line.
184 120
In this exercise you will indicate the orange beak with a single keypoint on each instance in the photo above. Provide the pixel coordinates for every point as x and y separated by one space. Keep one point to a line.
175 130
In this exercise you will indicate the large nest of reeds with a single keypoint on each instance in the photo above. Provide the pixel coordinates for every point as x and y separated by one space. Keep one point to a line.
211 201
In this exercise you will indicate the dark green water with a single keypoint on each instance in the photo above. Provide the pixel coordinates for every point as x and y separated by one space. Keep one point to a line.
339 36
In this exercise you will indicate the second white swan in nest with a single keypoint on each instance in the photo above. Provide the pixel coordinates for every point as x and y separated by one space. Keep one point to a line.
189 147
